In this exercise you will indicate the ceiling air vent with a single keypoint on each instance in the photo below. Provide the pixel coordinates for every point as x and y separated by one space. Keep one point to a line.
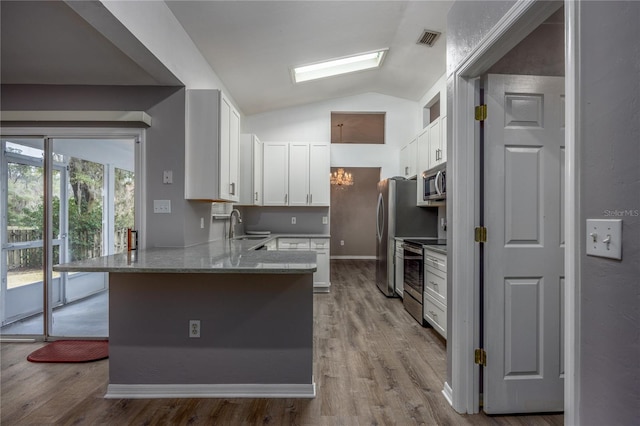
428 38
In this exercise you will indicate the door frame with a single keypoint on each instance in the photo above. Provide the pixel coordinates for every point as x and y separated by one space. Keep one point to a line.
50 133
464 168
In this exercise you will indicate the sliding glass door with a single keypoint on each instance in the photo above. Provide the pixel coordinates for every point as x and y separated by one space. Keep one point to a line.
91 204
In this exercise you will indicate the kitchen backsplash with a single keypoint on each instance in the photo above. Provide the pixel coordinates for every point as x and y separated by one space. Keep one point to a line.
308 220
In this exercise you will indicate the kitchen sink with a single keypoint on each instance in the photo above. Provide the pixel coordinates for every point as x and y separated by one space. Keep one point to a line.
251 237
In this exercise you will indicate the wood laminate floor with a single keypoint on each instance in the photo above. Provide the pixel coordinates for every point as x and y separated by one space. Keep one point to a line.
373 365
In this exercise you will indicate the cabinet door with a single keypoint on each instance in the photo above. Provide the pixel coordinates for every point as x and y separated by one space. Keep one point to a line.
404 161
276 173
443 139
322 277
234 158
299 174
257 172
224 164
413 157
319 170
250 180
434 143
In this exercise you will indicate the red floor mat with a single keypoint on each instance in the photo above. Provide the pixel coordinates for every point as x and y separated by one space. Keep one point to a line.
71 351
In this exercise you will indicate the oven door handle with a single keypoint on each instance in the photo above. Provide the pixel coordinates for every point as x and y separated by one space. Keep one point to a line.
412 249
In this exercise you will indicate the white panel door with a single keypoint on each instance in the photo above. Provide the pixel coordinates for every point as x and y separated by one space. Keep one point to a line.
524 253
275 173
298 174
319 170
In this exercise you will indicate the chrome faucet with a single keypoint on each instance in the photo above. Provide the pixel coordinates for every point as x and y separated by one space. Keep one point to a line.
231 226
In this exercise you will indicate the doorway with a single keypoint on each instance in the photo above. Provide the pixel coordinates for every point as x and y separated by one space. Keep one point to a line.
467 336
87 192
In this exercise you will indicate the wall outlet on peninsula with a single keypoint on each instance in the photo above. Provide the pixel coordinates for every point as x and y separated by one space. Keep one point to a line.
194 328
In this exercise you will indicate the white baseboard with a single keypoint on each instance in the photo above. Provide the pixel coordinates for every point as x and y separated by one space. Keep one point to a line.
139 391
322 289
448 393
353 257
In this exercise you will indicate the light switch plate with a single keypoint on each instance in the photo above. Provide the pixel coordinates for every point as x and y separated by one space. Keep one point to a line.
162 206
604 238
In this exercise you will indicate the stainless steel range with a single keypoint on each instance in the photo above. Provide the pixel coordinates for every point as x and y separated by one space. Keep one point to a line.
414 275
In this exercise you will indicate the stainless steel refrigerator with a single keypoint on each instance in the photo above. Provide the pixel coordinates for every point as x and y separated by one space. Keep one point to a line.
398 216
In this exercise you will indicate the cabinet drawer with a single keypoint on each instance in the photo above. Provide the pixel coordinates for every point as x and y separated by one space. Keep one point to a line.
435 260
319 243
436 314
293 244
435 282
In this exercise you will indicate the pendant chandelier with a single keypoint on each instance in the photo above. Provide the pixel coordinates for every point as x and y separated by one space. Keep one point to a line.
341 178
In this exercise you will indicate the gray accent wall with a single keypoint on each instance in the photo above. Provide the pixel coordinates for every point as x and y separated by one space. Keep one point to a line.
353 213
164 149
610 188
255 329
278 219
468 22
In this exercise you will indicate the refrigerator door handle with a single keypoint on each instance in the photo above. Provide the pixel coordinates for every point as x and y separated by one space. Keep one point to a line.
380 210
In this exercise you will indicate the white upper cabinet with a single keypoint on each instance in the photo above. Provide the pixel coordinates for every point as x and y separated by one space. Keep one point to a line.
423 151
212 145
275 180
299 174
443 139
408 159
296 174
319 170
250 170
437 150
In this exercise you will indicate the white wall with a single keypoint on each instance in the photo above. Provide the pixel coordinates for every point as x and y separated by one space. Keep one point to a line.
153 23
312 123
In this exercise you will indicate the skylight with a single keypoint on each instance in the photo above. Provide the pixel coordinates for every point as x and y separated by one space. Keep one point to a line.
333 67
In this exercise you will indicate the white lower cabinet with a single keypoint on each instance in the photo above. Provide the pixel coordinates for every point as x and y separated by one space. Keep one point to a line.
435 290
321 278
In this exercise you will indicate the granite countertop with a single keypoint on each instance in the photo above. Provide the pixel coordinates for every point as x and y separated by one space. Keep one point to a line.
221 257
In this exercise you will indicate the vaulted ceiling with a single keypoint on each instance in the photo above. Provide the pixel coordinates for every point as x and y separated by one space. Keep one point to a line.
251 46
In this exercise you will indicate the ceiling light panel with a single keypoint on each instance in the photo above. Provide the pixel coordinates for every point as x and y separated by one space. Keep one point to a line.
339 66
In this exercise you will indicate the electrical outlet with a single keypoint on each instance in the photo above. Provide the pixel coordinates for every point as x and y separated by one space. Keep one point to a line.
167 176
293 220
341 242
325 220
194 328
202 223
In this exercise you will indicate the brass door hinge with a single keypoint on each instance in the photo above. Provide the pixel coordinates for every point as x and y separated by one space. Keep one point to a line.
480 234
480 357
481 112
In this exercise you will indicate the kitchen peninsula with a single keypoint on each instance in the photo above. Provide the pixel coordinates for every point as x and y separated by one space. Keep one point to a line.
255 313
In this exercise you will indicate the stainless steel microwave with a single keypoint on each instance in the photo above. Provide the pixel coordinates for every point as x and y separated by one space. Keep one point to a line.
435 184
